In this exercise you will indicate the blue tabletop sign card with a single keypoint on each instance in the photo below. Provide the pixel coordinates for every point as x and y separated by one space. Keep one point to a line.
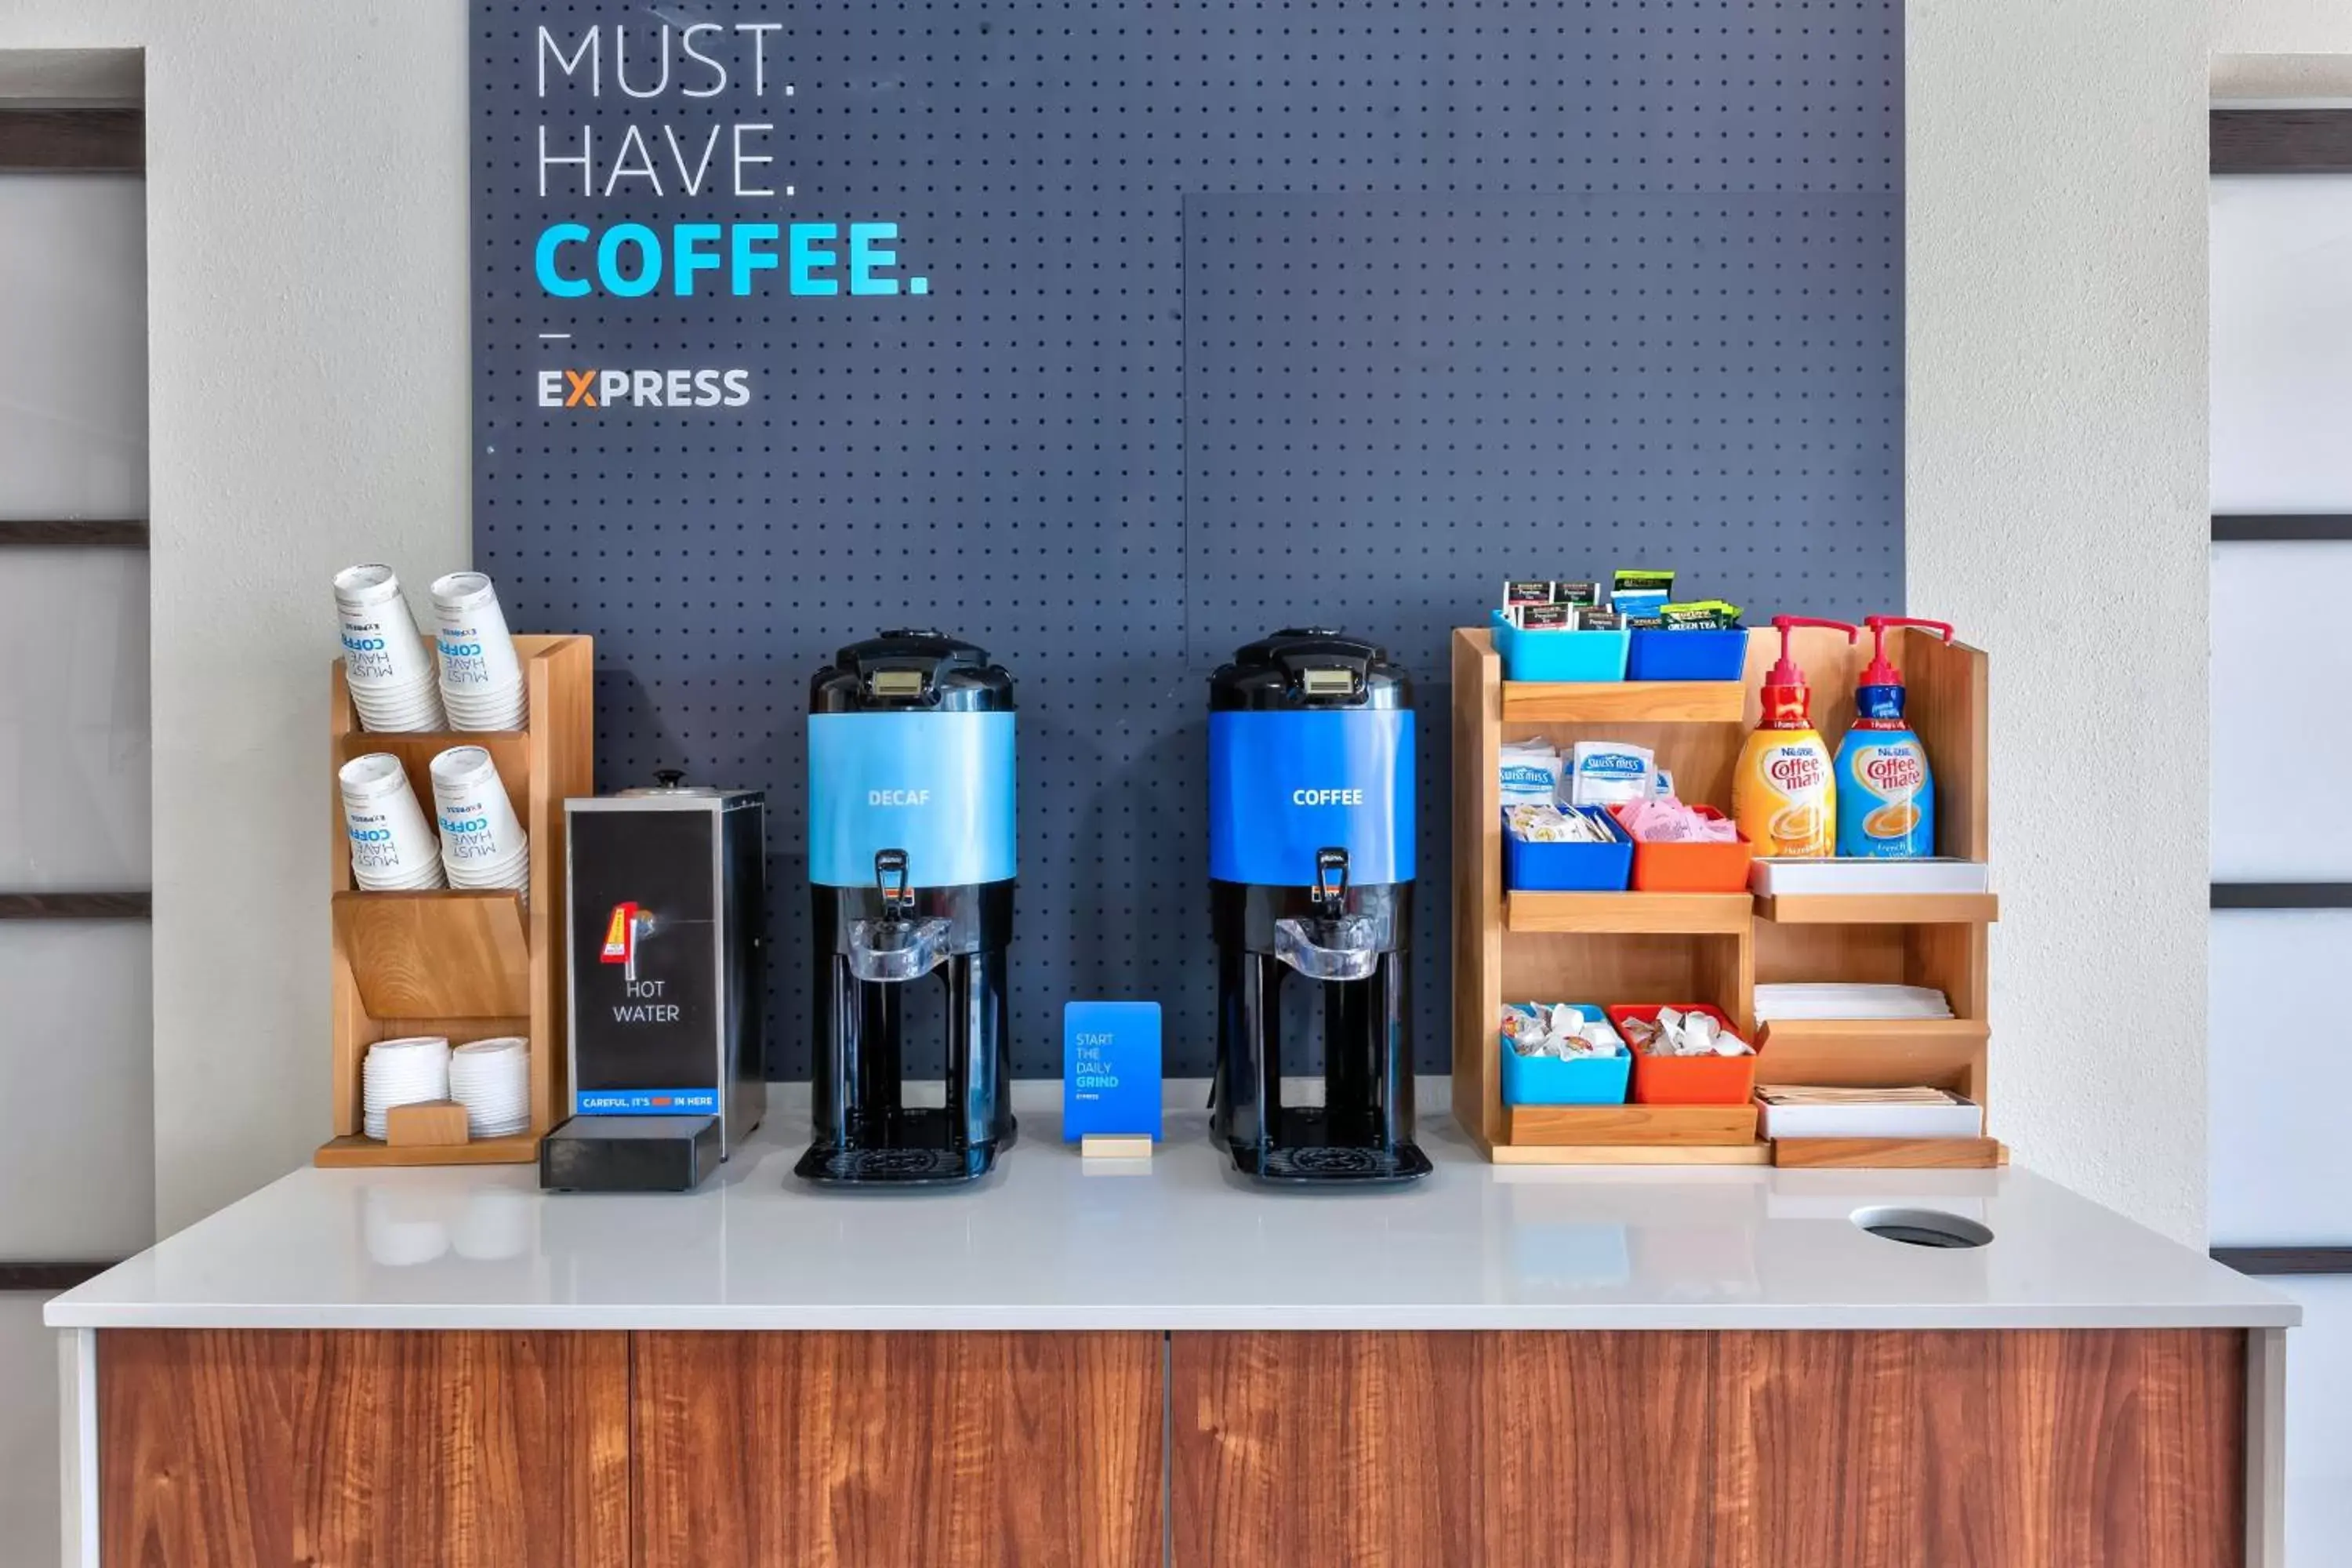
1110 1068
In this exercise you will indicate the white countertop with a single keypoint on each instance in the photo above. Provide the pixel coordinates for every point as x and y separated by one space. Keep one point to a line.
1049 1241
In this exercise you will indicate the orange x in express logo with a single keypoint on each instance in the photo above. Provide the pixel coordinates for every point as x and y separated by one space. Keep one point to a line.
582 393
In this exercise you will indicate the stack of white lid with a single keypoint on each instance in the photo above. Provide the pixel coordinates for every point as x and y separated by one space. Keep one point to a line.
392 681
402 1072
481 678
392 848
491 1078
482 842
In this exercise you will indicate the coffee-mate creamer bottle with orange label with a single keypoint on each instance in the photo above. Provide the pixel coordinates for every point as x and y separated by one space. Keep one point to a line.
1784 792
1886 794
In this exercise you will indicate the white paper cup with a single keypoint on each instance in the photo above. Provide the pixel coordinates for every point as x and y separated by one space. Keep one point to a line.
382 650
366 586
392 846
477 823
511 716
517 875
491 1078
472 647
407 1071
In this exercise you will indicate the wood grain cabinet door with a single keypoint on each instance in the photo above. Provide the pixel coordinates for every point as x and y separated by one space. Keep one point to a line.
1984 1449
254 1449
898 1450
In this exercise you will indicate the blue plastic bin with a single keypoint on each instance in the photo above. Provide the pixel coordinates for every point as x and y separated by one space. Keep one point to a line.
1580 1080
1688 656
1561 655
1569 868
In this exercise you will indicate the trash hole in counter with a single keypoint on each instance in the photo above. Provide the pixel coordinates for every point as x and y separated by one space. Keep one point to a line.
1922 1227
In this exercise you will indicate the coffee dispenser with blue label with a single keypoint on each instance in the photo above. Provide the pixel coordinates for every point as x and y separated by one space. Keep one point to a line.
1310 880
911 864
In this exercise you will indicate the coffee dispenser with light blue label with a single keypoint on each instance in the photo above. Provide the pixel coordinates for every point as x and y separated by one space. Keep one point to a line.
1310 885
911 867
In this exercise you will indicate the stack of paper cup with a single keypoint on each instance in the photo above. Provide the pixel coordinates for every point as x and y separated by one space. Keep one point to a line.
391 679
491 1078
402 1072
482 844
481 679
393 846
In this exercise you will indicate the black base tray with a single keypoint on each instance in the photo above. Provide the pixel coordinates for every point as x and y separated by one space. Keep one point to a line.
908 1149
1305 1152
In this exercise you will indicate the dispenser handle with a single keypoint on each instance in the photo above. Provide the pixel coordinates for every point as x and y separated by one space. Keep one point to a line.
1878 624
1327 894
889 863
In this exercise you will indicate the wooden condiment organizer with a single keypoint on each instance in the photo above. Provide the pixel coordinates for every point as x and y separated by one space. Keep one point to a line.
468 963
1635 947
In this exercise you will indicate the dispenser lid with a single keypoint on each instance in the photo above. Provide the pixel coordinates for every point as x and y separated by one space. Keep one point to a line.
671 783
909 670
1311 668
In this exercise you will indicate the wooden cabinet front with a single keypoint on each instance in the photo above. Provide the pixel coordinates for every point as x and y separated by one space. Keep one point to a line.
1813 1449
343 1449
1983 1449
877 1450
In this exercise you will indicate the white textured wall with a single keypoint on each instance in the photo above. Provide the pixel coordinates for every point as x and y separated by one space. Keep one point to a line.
2056 512
309 302
2282 28
307 380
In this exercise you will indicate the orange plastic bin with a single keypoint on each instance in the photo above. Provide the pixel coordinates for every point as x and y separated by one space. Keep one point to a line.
1686 1080
1690 867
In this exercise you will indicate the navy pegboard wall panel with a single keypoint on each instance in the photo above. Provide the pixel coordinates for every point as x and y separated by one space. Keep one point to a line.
1241 314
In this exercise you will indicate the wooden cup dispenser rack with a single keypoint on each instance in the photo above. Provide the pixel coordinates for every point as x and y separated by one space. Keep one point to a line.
466 963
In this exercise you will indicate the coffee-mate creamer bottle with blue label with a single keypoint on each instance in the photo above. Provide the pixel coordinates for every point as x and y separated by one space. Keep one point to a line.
1783 792
1886 792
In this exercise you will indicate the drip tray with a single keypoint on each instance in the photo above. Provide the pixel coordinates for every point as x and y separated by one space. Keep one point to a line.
1402 1163
907 1148
892 1167
1307 1149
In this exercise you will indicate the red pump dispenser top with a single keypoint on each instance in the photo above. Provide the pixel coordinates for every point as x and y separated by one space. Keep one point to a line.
1880 672
1787 701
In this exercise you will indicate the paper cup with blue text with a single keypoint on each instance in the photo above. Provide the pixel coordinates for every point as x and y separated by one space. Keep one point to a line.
393 846
480 674
392 680
479 832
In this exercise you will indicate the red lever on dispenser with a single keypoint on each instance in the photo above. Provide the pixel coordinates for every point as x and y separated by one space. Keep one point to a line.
1880 672
1785 672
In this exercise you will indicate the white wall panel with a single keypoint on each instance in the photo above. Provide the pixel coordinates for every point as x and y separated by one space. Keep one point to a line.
74 757
2281 367
2282 344
2281 1068
2282 721
77 1164
73 345
2319 1422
